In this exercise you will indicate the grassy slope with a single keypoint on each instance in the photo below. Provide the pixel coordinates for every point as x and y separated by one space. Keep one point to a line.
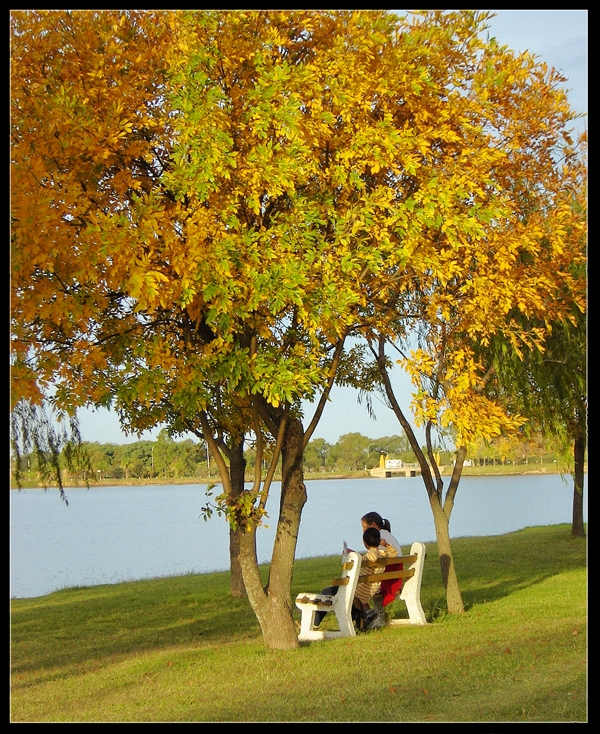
180 649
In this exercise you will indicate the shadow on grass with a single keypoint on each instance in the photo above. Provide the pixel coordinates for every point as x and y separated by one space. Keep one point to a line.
74 629
492 567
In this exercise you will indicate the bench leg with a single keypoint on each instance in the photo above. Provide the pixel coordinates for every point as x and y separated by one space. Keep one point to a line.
345 623
410 597
416 614
308 610
307 621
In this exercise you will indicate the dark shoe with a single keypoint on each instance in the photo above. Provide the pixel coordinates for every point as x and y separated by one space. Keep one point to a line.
319 617
371 619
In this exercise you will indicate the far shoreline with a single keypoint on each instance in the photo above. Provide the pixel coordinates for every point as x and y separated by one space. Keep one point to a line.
483 471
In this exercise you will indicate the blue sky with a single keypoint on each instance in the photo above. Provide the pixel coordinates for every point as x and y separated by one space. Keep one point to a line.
557 37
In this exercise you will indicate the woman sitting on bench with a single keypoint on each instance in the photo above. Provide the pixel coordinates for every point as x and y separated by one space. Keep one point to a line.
374 520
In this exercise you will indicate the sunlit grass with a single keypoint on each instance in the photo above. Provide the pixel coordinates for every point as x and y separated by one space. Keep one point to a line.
181 649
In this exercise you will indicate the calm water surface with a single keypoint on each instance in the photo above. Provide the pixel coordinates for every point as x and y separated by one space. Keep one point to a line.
113 534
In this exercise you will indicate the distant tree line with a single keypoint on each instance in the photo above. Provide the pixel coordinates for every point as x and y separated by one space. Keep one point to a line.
169 459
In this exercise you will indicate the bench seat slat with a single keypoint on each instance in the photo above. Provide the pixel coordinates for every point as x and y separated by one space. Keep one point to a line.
389 561
373 578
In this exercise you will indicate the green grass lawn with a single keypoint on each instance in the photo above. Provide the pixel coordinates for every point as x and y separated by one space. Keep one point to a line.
180 649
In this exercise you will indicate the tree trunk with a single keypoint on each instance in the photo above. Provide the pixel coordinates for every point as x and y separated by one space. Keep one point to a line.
454 600
237 472
577 528
236 586
434 488
272 603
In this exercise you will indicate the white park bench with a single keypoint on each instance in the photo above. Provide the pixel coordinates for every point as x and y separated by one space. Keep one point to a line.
341 602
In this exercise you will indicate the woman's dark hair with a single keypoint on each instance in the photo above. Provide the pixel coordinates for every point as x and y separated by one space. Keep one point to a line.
375 517
371 537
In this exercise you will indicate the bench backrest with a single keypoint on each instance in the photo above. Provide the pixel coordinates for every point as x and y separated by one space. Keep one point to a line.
347 581
411 588
411 573
404 573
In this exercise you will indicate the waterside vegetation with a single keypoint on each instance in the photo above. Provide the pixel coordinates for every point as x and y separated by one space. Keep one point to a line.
168 461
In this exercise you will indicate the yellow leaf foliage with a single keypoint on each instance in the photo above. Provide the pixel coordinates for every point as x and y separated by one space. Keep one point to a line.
186 182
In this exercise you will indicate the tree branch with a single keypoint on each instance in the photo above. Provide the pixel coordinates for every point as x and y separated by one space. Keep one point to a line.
325 396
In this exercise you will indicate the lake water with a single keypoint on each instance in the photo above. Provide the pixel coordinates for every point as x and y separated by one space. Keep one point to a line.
111 534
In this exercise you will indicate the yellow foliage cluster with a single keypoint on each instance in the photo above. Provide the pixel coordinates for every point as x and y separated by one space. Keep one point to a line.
185 182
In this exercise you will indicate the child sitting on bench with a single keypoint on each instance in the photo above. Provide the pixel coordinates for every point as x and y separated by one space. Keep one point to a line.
362 611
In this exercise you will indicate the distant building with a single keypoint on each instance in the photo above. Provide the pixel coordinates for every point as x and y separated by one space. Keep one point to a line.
393 463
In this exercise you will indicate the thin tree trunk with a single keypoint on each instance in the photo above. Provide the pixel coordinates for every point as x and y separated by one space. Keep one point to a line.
577 528
442 533
442 530
441 514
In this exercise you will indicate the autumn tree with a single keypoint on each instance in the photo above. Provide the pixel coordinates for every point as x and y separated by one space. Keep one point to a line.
217 236
497 260
205 204
550 385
